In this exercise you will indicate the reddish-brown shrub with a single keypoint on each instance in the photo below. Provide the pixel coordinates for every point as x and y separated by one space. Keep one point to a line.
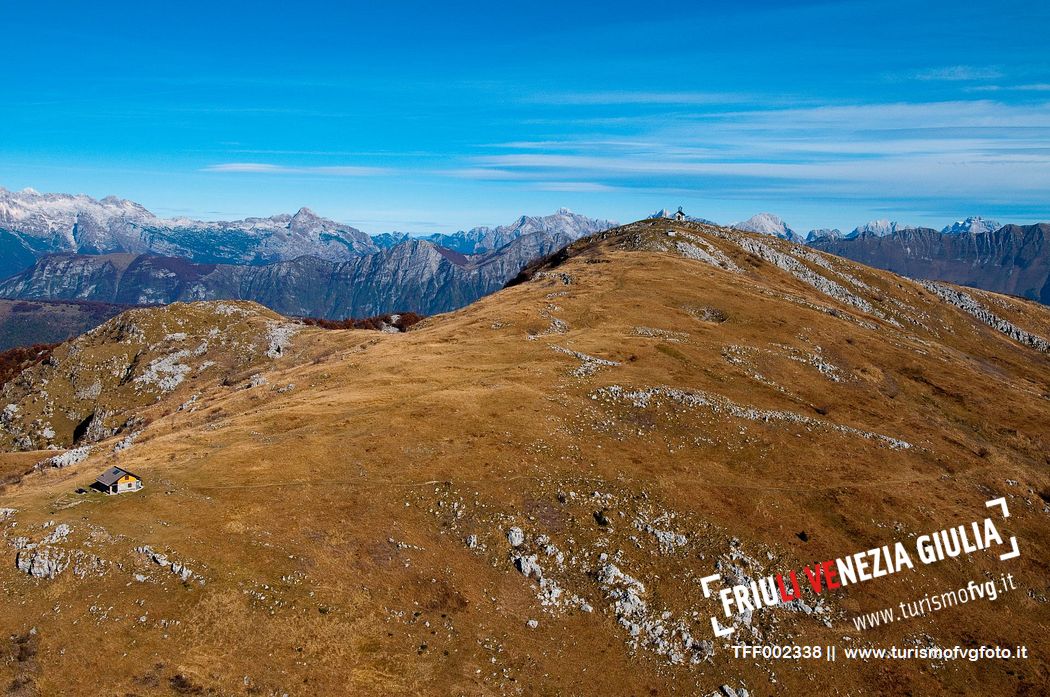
14 361
403 322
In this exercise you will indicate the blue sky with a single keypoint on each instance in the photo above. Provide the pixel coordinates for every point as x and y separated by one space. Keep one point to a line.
422 116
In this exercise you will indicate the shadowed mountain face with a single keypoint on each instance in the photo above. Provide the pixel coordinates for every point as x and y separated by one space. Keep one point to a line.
24 323
415 276
1014 259
525 495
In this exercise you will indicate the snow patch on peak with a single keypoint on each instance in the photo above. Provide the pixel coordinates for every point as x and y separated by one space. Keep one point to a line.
880 228
973 225
823 234
767 224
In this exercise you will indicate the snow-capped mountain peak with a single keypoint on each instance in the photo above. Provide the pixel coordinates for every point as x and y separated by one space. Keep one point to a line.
767 224
823 234
563 224
973 225
880 228
305 220
39 223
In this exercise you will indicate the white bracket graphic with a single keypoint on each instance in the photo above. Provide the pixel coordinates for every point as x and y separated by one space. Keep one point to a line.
1001 502
717 628
1011 555
719 631
708 579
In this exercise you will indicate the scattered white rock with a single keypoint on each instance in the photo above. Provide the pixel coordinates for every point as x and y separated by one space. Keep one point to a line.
90 392
228 310
279 336
669 541
968 304
165 373
646 628
717 404
42 562
60 533
665 334
529 567
257 380
589 364
802 272
67 459
126 442
700 249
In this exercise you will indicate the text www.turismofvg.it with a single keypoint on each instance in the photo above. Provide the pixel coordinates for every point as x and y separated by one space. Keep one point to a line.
983 590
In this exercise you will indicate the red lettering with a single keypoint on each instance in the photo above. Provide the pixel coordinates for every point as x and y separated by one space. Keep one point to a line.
814 577
830 572
796 592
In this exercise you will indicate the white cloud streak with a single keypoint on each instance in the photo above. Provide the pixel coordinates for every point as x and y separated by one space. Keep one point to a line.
957 73
632 97
263 168
980 149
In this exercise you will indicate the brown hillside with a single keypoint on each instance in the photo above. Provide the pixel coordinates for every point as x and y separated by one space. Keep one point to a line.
647 409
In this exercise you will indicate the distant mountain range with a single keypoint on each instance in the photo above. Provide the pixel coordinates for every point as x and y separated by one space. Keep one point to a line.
66 247
1012 259
975 251
482 240
34 224
115 251
770 224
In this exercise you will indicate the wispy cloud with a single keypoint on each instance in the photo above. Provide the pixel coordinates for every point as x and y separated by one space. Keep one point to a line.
977 148
957 73
263 168
574 187
1031 87
636 97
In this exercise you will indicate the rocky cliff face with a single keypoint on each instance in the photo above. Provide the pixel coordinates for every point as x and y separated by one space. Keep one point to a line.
1013 259
416 276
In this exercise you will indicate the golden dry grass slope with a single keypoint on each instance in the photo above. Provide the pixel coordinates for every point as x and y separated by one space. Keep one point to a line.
663 402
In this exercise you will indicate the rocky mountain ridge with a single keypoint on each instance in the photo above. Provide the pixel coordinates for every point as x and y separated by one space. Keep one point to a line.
413 276
33 224
1013 259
